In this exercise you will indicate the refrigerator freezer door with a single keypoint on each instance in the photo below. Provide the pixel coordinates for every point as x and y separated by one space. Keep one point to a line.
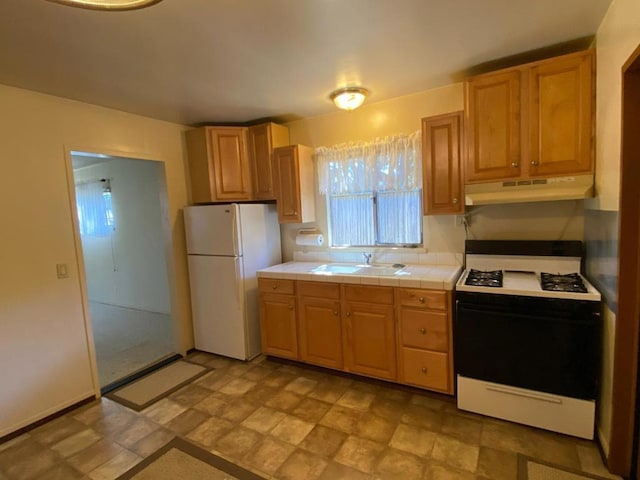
218 305
213 230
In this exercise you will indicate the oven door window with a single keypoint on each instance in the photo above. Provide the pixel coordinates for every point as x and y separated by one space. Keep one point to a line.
543 351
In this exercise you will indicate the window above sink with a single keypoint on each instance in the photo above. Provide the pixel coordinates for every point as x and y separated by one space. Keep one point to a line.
373 192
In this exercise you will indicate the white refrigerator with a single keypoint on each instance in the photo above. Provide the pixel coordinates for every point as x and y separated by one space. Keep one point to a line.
226 245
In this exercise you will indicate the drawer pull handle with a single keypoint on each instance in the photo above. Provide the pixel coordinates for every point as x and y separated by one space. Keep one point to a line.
544 398
423 331
421 299
424 369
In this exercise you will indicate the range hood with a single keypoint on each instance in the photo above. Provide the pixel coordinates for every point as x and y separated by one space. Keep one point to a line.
530 190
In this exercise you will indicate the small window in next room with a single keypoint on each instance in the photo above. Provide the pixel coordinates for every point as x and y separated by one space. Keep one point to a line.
373 191
95 211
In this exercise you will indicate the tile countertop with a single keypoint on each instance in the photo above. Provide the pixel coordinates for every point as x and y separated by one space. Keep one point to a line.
442 277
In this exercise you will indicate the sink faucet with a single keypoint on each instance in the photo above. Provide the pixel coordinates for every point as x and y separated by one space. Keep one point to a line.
367 257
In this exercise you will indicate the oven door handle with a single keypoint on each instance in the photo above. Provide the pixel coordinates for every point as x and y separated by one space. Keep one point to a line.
519 393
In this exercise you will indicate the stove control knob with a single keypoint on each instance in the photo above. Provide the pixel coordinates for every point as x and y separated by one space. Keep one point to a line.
423 331
424 369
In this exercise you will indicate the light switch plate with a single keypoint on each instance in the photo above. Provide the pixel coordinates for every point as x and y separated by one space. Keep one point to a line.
62 271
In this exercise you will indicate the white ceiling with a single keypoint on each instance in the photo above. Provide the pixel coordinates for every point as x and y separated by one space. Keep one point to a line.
197 61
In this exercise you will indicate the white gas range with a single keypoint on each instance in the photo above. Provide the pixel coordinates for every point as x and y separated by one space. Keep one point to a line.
522 275
526 335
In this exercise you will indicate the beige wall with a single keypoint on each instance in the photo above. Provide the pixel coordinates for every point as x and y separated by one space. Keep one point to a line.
43 341
618 36
546 220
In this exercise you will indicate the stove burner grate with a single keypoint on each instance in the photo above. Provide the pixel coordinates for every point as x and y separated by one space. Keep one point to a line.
571 282
481 278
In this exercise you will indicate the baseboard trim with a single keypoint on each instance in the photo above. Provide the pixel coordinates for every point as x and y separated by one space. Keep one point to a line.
48 418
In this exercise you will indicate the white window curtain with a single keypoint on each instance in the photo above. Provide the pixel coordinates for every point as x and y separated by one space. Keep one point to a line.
374 191
384 164
95 213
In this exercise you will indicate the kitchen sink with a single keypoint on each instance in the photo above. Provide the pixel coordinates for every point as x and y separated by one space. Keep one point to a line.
374 269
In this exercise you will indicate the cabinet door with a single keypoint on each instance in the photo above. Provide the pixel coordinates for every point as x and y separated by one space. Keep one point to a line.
287 185
493 126
278 325
320 331
262 140
441 157
561 127
370 346
230 164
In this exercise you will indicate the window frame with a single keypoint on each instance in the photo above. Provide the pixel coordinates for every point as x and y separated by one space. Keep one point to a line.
377 244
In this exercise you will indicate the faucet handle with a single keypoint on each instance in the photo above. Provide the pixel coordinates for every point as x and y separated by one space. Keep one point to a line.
367 257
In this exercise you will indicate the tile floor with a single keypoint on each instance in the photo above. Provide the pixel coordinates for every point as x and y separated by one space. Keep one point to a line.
287 421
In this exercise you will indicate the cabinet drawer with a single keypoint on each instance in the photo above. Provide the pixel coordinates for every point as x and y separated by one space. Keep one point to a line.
320 290
424 329
425 369
276 285
356 293
413 297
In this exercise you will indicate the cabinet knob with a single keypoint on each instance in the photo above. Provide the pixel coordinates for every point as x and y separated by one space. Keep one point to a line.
423 330
295 212
534 163
421 299
424 369
455 201
274 286
290 307
335 312
515 164
348 314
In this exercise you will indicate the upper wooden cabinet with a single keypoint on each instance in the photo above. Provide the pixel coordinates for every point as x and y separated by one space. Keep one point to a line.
294 183
441 164
493 126
534 120
218 164
262 140
561 116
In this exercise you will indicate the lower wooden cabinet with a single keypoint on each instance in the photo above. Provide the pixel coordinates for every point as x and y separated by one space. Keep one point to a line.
278 319
394 334
425 350
424 368
320 324
370 346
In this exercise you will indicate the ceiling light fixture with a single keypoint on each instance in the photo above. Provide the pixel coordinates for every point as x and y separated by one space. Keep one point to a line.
108 4
349 98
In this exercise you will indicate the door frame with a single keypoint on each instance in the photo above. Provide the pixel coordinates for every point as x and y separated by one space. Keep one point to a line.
178 340
623 451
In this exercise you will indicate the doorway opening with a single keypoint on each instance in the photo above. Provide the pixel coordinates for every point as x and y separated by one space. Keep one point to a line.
121 216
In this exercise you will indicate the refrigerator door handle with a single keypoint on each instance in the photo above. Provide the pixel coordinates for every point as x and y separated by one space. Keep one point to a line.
234 227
